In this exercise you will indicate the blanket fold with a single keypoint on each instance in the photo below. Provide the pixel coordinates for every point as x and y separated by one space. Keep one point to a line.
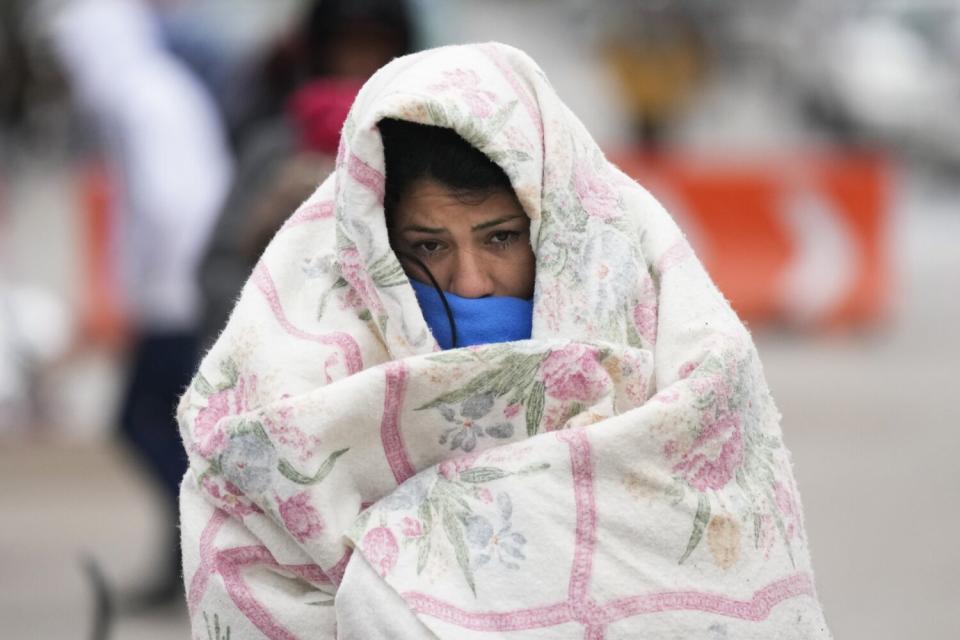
621 473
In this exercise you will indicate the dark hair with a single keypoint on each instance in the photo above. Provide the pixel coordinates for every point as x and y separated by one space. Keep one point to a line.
413 151
328 20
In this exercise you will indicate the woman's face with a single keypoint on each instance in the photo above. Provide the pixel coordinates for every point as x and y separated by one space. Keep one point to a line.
474 247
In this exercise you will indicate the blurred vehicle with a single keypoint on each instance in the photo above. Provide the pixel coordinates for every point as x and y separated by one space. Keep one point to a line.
887 71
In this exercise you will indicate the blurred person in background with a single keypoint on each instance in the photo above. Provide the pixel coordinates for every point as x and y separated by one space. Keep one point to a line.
287 138
167 154
658 58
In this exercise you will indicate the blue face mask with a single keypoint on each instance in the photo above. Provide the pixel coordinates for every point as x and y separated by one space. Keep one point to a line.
478 320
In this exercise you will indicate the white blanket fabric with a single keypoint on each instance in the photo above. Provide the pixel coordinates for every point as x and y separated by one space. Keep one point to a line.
620 475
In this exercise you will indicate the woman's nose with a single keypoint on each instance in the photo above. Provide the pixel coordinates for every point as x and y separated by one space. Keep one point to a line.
470 278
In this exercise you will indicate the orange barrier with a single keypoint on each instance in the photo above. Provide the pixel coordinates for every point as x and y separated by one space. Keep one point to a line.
102 320
795 240
798 240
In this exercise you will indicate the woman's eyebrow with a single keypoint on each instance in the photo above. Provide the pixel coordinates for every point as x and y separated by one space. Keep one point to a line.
422 229
495 222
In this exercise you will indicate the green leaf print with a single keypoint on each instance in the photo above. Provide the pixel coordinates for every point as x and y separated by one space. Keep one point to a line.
254 427
482 474
215 468
231 372
215 632
456 356
437 113
535 402
699 525
633 338
454 530
499 119
290 473
423 542
533 468
386 271
509 156
423 552
513 372
327 601
203 386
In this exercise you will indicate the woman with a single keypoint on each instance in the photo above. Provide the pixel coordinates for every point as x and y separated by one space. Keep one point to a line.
619 474
458 228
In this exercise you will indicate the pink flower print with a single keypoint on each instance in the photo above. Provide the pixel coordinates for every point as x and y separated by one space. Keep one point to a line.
645 312
354 271
687 368
411 527
381 550
767 535
485 496
208 439
450 469
573 373
511 410
229 501
596 195
279 423
300 518
645 320
667 396
635 372
232 488
789 509
466 83
716 388
714 456
351 301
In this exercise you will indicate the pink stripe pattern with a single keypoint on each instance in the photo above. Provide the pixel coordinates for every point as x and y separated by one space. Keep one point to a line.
230 564
198 584
581 468
519 620
579 606
367 176
309 213
335 573
594 633
755 609
344 341
390 436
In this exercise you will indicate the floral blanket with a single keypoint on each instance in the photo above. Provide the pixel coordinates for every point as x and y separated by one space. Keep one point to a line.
620 475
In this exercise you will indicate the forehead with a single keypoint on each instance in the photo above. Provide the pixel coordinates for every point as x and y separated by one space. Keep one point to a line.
429 200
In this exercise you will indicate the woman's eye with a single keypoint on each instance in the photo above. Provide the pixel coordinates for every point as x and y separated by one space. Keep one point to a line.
503 238
428 247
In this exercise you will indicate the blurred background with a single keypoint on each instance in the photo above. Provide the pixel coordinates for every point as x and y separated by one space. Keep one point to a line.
810 150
